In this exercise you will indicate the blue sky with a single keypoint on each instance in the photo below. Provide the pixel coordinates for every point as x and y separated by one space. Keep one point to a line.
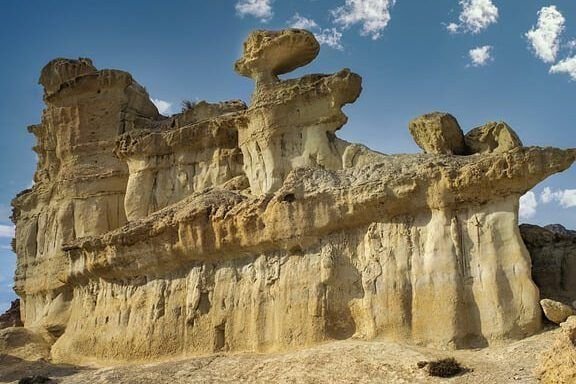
481 60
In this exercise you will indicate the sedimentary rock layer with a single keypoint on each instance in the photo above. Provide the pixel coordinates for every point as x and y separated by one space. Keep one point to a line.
553 253
234 228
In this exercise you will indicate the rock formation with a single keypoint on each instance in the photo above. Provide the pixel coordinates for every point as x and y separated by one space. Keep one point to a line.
558 364
11 318
553 253
228 228
556 311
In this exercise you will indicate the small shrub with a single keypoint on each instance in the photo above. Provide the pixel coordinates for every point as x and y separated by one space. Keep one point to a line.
422 364
445 368
35 380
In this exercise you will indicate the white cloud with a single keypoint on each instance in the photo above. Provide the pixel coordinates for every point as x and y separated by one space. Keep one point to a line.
374 15
544 38
452 27
329 36
261 9
567 66
565 197
476 16
302 22
546 196
164 107
528 205
481 56
6 231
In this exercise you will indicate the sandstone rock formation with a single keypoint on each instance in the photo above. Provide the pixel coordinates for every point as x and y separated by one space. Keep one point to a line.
555 311
492 137
438 133
25 343
558 364
79 184
257 229
553 253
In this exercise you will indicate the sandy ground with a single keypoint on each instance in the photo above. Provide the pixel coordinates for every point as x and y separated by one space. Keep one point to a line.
349 361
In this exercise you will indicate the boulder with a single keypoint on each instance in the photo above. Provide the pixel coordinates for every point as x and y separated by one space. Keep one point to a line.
555 311
492 137
438 133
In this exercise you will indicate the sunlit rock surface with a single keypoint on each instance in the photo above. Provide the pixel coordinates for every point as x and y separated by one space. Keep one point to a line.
254 228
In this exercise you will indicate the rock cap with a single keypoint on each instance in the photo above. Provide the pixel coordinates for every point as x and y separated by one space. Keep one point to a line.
61 70
268 54
438 133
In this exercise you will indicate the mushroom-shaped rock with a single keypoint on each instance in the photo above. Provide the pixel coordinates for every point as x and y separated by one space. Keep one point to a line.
492 137
438 133
268 54
555 311
61 70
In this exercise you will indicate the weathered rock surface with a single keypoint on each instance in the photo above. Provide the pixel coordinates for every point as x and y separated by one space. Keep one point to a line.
11 318
268 54
25 343
258 229
438 133
79 184
337 362
555 311
167 165
553 253
560 230
558 363
492 137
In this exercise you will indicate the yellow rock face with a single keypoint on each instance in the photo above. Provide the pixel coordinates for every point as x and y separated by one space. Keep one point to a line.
558 364
234 228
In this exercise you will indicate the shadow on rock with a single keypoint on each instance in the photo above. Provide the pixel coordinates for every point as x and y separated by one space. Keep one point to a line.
16 369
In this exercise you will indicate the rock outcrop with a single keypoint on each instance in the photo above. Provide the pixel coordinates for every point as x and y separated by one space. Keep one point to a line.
492 137
79 184
558 364
11 318
25 343
438 133
553 253
256 229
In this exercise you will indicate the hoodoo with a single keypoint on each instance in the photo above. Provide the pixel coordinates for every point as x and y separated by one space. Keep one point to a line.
233 227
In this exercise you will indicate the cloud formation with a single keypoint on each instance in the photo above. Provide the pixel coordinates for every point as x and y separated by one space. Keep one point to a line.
164 107
565 197
544 38
481 56
528 205
476 16
567 66
260 9
6 231
302 22
374 15
330 37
